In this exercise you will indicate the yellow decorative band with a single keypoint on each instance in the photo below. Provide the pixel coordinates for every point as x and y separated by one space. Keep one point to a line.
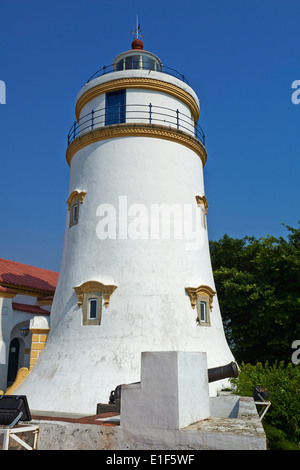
142 83
136 130
7 295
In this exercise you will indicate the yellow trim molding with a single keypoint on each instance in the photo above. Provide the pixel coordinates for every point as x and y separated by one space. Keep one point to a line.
25 290
76 195
94 286
202 200
194 292
45 301
21 375
38 341
141 83
136 130
7 295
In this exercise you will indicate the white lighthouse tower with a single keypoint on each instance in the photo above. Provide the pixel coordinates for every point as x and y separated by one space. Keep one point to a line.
136 273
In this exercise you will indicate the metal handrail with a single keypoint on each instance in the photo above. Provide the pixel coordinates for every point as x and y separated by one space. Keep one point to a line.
135 66
150 114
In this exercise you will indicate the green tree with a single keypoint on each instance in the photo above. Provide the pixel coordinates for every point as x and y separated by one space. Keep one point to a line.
258 285
282 420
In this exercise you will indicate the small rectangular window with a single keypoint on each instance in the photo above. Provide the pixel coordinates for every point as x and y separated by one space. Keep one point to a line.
74 213
202 311
93 309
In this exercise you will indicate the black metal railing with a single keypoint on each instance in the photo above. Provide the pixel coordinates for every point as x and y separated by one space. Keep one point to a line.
136 65
136 113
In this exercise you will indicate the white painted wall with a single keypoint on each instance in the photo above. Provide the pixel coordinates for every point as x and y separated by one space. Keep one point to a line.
10 323
164 111
173 392
150 310
2 341
24 299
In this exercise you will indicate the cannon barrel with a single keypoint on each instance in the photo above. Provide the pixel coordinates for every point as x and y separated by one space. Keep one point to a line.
115 394
216 373
223 372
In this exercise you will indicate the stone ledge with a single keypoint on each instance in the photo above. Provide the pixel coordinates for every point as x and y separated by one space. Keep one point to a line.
78 432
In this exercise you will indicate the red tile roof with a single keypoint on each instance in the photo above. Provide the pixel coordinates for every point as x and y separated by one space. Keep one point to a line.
29 308
29 277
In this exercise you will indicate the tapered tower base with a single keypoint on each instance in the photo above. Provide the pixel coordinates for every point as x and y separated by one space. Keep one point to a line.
136 273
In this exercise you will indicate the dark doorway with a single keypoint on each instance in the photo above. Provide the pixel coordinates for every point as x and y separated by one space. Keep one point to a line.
13 361
115 107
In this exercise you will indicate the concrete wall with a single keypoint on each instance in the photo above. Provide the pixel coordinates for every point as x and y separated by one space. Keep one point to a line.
215 433
173 392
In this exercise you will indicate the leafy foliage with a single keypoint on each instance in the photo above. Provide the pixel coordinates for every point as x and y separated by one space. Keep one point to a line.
258 285
282 421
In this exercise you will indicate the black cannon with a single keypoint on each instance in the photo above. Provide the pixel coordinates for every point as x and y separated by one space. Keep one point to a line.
216 373
223 372
115 394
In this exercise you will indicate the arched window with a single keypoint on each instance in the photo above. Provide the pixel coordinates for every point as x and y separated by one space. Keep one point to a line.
75 199
202 298
91 295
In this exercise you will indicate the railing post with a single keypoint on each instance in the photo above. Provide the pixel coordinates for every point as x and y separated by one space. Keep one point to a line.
150 113
92 119
74 129
177 113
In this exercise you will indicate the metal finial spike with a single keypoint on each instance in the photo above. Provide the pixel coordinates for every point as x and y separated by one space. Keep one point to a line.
138 29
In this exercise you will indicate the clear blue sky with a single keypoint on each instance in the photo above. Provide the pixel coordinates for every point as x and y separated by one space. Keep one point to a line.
240 57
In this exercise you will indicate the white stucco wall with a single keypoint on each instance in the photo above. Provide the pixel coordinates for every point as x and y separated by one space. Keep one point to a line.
10 323
173 392
137 105
140 97
2 340
150 310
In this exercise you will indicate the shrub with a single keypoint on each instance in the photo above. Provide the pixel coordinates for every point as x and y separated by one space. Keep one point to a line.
277 439
282 421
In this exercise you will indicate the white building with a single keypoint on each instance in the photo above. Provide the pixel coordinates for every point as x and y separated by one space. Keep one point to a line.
136 273
26 295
